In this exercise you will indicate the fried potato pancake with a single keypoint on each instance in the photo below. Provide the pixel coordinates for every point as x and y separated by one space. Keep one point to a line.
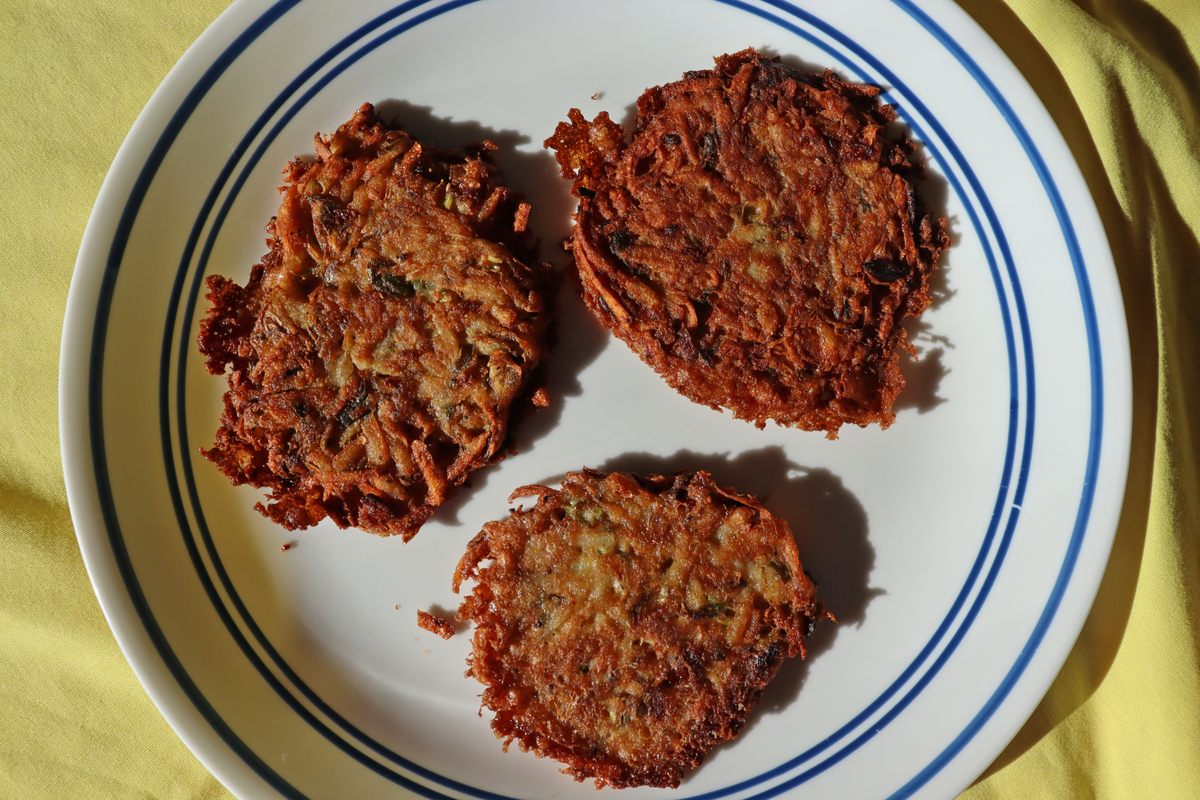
377 351
757 241
625 626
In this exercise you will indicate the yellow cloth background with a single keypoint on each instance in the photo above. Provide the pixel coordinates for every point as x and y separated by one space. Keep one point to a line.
1121 78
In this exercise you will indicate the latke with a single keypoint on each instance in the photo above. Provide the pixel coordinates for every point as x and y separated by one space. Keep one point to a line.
757 241
625 626
379 347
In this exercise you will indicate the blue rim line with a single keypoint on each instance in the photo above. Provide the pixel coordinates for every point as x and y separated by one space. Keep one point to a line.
396 758
400 760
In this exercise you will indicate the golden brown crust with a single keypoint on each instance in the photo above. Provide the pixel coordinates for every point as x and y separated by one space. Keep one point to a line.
377 349
757 242
625 626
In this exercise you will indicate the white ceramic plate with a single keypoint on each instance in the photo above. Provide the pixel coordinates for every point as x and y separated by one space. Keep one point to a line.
961 548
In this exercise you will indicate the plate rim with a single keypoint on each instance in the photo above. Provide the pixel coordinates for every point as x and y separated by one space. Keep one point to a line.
128 629
1116 395
180 710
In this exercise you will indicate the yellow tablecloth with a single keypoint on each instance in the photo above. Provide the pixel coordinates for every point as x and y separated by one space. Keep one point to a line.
1122 79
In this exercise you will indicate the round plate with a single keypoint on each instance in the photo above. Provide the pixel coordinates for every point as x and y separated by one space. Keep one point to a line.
960 548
